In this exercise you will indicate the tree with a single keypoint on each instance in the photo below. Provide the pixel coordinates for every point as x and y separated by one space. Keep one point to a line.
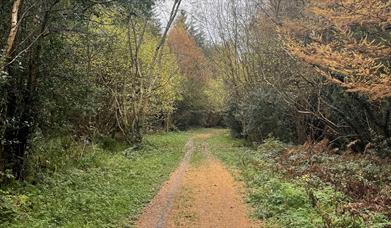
43 60
348 42
191 111
14 26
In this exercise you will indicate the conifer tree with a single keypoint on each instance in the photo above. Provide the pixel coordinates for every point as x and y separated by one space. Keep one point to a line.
348 41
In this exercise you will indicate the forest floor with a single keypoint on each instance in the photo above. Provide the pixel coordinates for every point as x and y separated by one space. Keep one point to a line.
200 193
225 182
198 178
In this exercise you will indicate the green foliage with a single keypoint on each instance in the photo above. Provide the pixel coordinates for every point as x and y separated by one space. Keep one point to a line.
202 94
52 155
286 202
80 78
110 144
100 189
259 115
199 154
272 92
361 178
359 118
232 119
8 209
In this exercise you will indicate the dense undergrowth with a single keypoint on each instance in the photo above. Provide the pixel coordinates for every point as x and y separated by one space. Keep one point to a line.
301 200
103 185
365 178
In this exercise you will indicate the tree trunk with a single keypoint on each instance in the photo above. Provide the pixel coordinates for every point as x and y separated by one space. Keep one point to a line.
4 58
17 5
21 103
21 108
301 128
136 134
168 122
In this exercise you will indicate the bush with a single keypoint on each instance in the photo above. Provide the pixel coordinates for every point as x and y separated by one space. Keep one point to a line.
259 115
111 144
232 119
359 118
7 207
187 117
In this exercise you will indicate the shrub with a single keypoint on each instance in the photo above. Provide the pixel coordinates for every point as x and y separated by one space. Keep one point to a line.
232 119
259 115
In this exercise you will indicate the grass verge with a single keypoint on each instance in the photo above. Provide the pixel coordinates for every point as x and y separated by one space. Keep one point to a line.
100 188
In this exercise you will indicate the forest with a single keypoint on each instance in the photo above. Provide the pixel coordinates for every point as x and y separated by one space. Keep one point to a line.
99 98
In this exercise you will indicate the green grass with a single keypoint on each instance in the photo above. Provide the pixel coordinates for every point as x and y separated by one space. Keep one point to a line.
198 157
77 186
101 189
279 201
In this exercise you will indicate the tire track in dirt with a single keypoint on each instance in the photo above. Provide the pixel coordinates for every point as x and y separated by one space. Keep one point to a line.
210 199
205 195
156 213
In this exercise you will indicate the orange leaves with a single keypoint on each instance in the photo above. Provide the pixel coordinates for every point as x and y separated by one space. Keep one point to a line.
346 38
377 91
344 13
190 57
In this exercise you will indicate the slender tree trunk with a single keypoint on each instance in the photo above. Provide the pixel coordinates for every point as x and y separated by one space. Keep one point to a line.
301 129
136 134
21 103
168 122
4 58
17 5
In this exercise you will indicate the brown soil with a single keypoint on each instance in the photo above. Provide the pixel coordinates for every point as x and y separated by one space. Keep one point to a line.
210 197
156 213
201 196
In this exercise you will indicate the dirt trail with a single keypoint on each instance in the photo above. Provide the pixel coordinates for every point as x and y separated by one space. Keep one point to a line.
204 195
156 213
